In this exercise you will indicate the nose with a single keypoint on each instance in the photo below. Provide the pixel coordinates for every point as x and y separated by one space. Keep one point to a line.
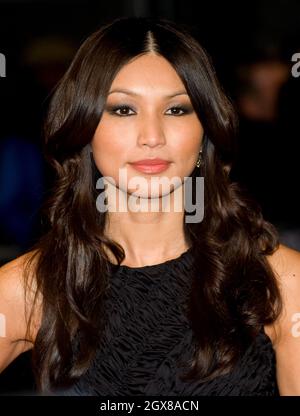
151 132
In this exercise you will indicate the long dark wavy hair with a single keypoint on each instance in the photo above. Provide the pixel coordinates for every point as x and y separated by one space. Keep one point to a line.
234 288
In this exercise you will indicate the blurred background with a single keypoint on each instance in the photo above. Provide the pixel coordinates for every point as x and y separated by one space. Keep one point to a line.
251 44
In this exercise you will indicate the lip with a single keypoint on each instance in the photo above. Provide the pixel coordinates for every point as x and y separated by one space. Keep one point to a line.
151 165
150 162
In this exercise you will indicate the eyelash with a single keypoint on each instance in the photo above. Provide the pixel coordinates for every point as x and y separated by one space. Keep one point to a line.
112 110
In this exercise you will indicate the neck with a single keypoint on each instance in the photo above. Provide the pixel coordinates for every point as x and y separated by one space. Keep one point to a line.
147 237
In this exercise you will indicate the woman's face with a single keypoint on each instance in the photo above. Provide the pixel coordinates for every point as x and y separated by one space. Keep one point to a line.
153 118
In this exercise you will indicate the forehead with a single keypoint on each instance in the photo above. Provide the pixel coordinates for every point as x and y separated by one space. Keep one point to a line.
148 73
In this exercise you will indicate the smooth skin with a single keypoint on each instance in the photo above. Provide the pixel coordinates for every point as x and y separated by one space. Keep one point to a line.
149 125
153 237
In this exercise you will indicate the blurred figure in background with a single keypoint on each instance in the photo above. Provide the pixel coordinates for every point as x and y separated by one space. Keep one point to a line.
23 174
267 141
289 131
21 186
260 83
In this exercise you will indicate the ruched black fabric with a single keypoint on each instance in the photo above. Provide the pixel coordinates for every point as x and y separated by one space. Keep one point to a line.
147 331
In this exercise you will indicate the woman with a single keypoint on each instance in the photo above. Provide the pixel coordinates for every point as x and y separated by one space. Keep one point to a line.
146 301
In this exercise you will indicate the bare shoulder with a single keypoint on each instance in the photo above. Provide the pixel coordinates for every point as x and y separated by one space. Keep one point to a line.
14 308
285 263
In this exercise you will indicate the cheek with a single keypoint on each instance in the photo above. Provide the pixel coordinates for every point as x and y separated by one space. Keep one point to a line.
106 138
188 143
109 149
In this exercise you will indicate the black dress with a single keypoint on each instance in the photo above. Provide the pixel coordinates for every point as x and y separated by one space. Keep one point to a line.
147 332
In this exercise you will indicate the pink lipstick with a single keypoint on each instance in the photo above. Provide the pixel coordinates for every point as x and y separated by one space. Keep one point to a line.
151 165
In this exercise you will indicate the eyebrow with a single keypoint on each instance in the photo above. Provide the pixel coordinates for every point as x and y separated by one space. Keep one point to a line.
125 91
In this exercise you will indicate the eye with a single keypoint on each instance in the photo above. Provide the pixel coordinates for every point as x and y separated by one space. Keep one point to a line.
122 108
178 108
